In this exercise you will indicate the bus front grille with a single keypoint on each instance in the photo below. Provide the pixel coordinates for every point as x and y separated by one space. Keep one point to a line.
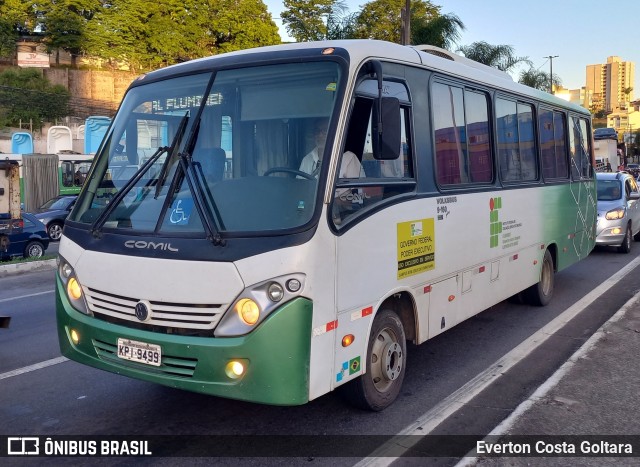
174 366
169 318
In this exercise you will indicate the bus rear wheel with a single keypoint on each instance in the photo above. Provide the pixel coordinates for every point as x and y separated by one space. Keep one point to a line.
386 361
540 294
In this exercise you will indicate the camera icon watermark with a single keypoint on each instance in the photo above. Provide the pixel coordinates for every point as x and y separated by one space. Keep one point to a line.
23 446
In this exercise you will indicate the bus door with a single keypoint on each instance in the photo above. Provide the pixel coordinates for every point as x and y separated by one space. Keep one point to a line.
370 221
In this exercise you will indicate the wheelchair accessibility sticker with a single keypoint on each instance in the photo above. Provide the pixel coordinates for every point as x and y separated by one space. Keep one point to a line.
181 211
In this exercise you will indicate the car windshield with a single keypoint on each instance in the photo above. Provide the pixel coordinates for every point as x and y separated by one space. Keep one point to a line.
240 136
609 190
56 203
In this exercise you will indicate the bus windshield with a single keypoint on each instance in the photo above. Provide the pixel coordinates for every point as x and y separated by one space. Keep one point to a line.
221 149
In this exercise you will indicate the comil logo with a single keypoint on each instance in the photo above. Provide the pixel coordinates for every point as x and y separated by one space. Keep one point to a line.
23 446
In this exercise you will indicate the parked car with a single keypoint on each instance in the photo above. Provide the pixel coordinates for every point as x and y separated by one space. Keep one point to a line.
605 133
31 242
54 212
618 210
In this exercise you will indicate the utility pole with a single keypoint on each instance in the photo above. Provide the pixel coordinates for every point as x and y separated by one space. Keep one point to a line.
551 57
405 15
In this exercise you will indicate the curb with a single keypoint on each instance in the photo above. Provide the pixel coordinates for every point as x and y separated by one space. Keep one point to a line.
22 268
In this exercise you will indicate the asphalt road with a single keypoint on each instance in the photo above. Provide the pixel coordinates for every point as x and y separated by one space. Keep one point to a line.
42 394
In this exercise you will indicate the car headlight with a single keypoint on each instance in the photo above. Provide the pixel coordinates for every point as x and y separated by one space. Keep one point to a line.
72 286
255 303
614 214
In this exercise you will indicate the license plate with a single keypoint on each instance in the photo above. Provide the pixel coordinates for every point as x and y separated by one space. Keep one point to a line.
141 352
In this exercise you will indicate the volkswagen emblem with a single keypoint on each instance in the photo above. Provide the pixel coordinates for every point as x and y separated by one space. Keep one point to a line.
142 311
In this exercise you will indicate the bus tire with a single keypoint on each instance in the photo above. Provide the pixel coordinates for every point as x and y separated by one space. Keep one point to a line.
376 389
540 294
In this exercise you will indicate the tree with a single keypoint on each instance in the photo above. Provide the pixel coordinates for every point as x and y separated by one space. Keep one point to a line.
501 57
8 37
63 30
340 23
147 34
442 30
26 95
303 19
14 18
381 19
242 24
538 79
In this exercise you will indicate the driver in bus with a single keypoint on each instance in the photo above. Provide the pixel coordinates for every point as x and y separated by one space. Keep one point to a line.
350 166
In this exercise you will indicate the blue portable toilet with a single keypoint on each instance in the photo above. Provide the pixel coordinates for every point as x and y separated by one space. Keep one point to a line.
94 131
21 143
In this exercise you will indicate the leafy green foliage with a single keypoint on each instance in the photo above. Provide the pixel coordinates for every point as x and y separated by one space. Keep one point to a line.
147 34
8 36
305 19
501 57
441 30
381 19
26 95
538 79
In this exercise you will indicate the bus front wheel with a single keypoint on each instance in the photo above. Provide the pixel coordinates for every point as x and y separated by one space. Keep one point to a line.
386 361
540 294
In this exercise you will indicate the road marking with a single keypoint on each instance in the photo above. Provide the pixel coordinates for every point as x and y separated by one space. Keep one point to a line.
427 422
34 367
27 296
504 426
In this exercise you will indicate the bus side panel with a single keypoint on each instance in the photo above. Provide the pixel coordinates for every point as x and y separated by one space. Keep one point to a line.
486 247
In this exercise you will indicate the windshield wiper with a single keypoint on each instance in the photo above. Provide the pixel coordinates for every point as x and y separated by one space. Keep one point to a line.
167 162
99 222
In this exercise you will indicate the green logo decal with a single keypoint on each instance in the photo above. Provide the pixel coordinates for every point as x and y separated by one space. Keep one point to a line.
495 204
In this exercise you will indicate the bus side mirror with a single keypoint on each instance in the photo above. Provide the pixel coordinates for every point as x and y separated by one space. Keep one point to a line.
385 133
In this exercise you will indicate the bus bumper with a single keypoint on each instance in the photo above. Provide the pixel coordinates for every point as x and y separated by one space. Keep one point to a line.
276 354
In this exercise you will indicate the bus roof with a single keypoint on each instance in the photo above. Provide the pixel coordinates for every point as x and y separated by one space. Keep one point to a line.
360 50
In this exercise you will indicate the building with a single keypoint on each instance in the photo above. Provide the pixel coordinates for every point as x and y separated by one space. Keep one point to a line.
611 84
580 96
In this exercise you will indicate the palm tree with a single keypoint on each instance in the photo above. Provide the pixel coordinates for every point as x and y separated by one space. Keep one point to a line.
498 56
442 30
538 79
340 23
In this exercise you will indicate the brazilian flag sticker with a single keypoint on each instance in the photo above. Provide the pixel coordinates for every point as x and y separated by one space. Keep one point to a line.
354 365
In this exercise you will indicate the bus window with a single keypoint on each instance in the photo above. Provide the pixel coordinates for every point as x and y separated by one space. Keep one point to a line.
552 147
67 170
516 144
579 147
383 178
462 143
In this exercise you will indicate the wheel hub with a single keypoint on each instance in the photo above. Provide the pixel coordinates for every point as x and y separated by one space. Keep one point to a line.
392 361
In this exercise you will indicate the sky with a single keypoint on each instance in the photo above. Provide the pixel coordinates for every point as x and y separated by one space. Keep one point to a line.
579 32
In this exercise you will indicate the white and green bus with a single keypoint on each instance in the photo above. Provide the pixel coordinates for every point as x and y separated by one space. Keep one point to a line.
232 272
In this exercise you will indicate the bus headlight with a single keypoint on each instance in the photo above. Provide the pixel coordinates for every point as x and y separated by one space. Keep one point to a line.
255 303
275 292
248 310
72 287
